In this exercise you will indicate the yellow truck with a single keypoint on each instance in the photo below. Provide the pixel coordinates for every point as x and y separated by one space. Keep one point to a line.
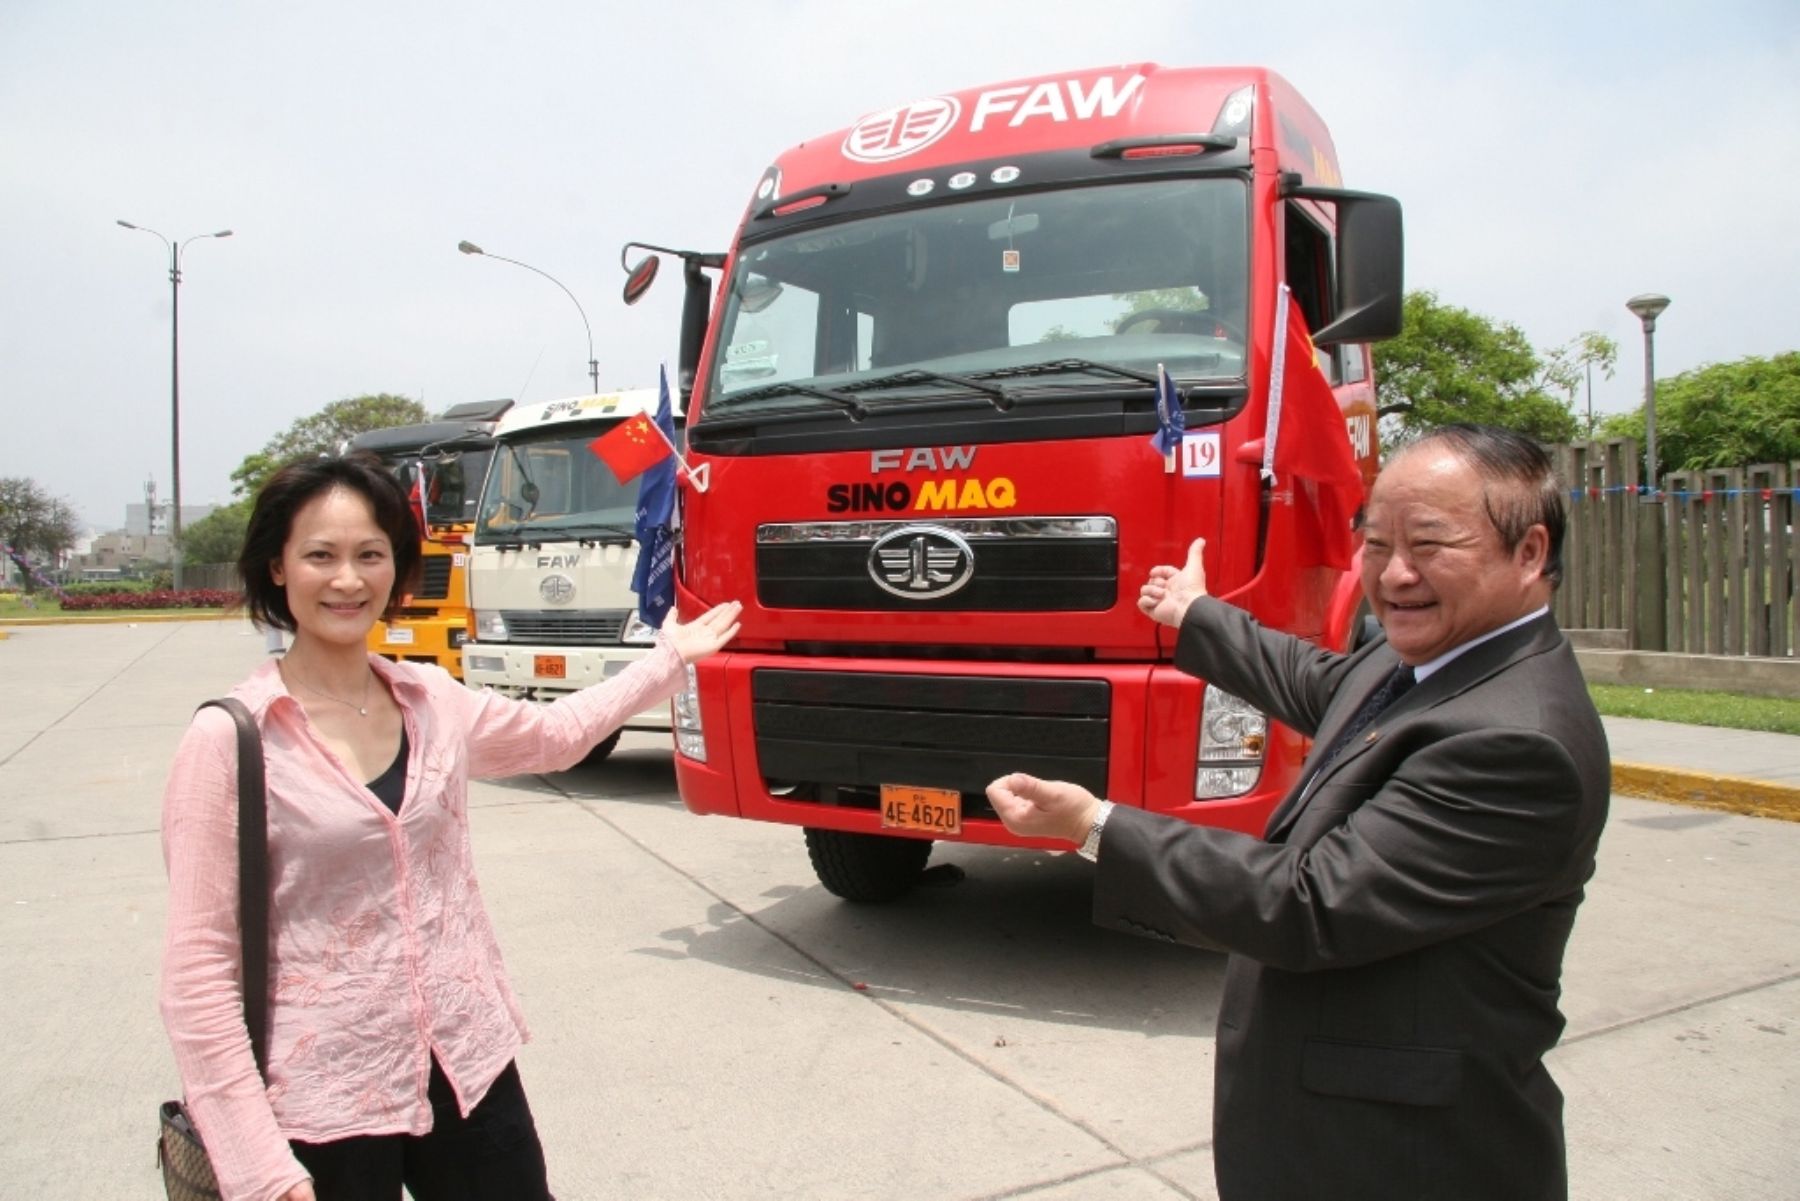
441 464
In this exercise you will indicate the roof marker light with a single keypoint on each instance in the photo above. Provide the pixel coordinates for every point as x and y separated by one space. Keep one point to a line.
1164 145
1179 150
799 206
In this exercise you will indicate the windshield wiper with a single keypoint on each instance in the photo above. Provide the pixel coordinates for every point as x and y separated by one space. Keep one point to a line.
902 379
1059 366
607 530
842 399
598 532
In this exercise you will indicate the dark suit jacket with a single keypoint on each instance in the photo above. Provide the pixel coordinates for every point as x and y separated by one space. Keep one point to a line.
1397 938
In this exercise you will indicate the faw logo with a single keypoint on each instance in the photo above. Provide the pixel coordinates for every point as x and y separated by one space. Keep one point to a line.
921 562
897 132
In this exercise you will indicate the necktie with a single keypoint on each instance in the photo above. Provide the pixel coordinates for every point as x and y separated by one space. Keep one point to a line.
1398 682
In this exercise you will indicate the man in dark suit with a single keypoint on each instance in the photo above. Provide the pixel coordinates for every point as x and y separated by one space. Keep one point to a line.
1396 938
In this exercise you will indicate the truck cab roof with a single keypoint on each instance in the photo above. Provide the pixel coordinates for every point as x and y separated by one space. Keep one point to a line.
601 406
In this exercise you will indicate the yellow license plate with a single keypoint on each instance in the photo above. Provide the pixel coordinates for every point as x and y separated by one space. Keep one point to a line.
550 667
931 810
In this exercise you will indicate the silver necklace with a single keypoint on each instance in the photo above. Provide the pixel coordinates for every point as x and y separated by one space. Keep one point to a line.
362 710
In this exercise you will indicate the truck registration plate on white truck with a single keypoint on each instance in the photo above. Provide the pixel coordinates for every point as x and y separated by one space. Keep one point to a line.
931 810
550 667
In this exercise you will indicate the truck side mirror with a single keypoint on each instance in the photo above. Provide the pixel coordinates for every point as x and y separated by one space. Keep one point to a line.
1370 289
640 277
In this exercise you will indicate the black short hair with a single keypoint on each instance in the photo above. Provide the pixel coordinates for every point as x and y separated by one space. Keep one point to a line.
287 492
1528 494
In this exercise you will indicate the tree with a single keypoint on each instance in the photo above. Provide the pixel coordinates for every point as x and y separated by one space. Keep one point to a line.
33 520
218 537
325 433
1570 365
1723 415
1450 364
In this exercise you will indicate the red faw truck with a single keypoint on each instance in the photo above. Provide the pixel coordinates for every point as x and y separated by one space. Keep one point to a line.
922 398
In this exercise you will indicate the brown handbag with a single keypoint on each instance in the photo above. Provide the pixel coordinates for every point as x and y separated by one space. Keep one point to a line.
186 1171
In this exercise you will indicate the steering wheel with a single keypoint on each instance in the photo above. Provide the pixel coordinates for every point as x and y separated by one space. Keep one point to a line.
1180 321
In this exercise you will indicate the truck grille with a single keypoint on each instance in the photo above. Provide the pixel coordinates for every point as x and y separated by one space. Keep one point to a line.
1014 565
434 578
580 627
834 736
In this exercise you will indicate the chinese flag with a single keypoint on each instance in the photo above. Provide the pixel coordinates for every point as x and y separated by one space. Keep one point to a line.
417 497
630 448
1312 452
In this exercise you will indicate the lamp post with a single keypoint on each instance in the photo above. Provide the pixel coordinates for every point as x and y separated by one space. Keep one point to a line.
468 247
175 248
1648 307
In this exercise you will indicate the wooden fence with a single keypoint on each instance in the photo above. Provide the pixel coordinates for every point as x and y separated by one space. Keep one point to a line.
1705 565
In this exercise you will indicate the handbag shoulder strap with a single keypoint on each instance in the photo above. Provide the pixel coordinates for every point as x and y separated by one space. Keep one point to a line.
253 875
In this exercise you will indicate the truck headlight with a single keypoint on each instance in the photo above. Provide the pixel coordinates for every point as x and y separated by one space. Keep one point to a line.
490 626
690 738
1233 737
638 632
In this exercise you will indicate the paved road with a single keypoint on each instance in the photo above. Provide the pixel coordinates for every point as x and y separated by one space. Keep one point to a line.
710 1024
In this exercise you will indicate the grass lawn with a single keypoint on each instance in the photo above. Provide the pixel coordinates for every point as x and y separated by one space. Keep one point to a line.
1773 714
15 606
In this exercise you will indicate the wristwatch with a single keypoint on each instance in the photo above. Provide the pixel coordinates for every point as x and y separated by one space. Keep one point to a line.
1090 846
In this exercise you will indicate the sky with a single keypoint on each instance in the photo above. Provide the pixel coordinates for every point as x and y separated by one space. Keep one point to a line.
1553 159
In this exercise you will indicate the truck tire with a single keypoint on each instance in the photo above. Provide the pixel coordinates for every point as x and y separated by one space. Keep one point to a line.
603 748
869 868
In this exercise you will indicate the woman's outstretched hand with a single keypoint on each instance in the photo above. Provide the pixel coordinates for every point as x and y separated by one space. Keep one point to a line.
696 639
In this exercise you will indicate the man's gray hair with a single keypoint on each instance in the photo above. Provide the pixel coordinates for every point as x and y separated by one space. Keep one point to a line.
1522 489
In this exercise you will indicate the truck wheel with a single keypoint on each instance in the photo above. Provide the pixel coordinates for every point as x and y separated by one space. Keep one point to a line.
866 867
603 748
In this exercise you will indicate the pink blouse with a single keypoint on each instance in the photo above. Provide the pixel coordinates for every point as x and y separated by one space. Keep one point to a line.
381 952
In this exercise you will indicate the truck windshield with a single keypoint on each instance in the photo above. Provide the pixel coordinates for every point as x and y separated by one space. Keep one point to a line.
452 483
1118 276
553 486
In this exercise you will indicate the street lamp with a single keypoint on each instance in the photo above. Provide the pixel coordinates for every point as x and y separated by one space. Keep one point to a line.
468 247
1648 307
175 249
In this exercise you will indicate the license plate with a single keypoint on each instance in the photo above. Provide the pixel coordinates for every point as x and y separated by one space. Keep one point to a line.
550 667
931 810
399 636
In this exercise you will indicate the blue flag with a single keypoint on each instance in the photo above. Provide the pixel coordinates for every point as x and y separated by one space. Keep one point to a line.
1171 422
653 579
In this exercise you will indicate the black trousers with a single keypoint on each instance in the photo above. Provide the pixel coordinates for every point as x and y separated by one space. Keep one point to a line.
491 1155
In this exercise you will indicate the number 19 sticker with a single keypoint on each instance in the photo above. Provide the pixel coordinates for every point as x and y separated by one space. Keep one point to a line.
1200 455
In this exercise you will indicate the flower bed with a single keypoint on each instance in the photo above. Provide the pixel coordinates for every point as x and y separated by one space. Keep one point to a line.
160 598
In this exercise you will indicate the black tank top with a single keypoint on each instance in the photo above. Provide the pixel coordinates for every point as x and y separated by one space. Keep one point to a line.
390 785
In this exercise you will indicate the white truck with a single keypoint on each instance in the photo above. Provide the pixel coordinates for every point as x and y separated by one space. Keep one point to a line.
552 555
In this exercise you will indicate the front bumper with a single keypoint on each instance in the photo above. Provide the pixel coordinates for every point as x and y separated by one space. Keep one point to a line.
514 669
811 743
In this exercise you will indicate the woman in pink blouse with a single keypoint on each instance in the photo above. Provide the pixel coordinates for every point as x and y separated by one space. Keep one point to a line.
392 1028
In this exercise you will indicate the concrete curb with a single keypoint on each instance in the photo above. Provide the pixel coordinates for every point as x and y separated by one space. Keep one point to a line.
121 617
1707 790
